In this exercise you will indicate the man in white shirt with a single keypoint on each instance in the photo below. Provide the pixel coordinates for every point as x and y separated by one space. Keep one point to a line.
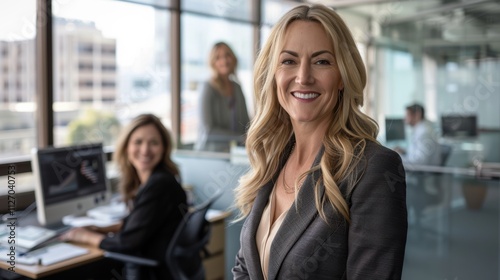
423 147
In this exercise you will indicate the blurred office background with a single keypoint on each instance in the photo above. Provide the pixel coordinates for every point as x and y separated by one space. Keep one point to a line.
76 71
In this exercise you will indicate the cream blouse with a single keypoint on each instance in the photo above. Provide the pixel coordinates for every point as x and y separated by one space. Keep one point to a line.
266 232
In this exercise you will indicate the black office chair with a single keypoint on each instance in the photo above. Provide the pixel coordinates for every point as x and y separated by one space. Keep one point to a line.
185 250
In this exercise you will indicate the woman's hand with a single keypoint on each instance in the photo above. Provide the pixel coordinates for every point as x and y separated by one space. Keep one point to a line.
104 230
82 235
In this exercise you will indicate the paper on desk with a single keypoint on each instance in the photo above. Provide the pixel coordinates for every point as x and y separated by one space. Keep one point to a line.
60 252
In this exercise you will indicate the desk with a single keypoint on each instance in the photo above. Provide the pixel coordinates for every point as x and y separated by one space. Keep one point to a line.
214 263
38 271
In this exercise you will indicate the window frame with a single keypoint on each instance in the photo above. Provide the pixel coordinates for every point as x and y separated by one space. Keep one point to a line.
44 124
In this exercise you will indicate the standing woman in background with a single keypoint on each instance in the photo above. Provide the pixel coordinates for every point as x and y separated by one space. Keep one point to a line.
323 199
223 110
150 188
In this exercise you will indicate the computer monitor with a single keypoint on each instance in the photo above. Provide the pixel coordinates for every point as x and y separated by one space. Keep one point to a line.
69 181
459 125
395 129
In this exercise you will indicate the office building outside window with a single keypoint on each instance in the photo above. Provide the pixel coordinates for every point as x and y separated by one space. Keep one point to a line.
108 69
17 77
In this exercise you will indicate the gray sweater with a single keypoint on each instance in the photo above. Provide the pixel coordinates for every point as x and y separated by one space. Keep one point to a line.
222 118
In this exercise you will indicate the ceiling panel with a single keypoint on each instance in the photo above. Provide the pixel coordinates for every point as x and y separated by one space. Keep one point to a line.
447 24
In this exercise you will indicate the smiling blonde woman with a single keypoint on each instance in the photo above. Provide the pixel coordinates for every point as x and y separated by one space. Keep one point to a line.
322 200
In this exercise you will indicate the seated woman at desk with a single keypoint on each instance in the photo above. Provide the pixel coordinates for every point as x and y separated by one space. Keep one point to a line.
154 196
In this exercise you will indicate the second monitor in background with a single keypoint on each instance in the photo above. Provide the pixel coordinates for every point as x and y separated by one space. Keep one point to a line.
395 129
459 126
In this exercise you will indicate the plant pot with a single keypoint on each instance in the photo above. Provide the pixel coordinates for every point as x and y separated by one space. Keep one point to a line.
474 194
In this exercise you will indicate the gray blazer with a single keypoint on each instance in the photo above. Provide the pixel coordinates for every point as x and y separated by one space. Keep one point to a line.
372 246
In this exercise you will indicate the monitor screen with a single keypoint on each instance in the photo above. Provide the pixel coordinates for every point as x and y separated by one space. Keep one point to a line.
69 181
459 126
394 129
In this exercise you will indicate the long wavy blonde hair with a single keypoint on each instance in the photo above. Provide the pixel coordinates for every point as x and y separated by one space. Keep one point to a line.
129 183
270 130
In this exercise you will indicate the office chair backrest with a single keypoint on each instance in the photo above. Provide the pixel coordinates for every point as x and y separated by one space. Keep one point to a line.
184 251
445 153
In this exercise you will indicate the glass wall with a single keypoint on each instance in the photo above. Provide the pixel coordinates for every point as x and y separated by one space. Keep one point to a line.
459 94
424 56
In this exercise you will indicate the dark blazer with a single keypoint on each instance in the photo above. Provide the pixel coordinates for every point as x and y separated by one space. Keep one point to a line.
158 209
372 246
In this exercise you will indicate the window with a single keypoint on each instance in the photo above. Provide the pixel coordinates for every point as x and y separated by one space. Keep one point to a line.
17 35
103 56
86 84
196 45
233 9
84 48
272 10
108 84
108 68
108 50
82 66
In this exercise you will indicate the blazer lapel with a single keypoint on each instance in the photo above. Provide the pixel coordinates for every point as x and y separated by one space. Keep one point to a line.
249 244
253 220
295 222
